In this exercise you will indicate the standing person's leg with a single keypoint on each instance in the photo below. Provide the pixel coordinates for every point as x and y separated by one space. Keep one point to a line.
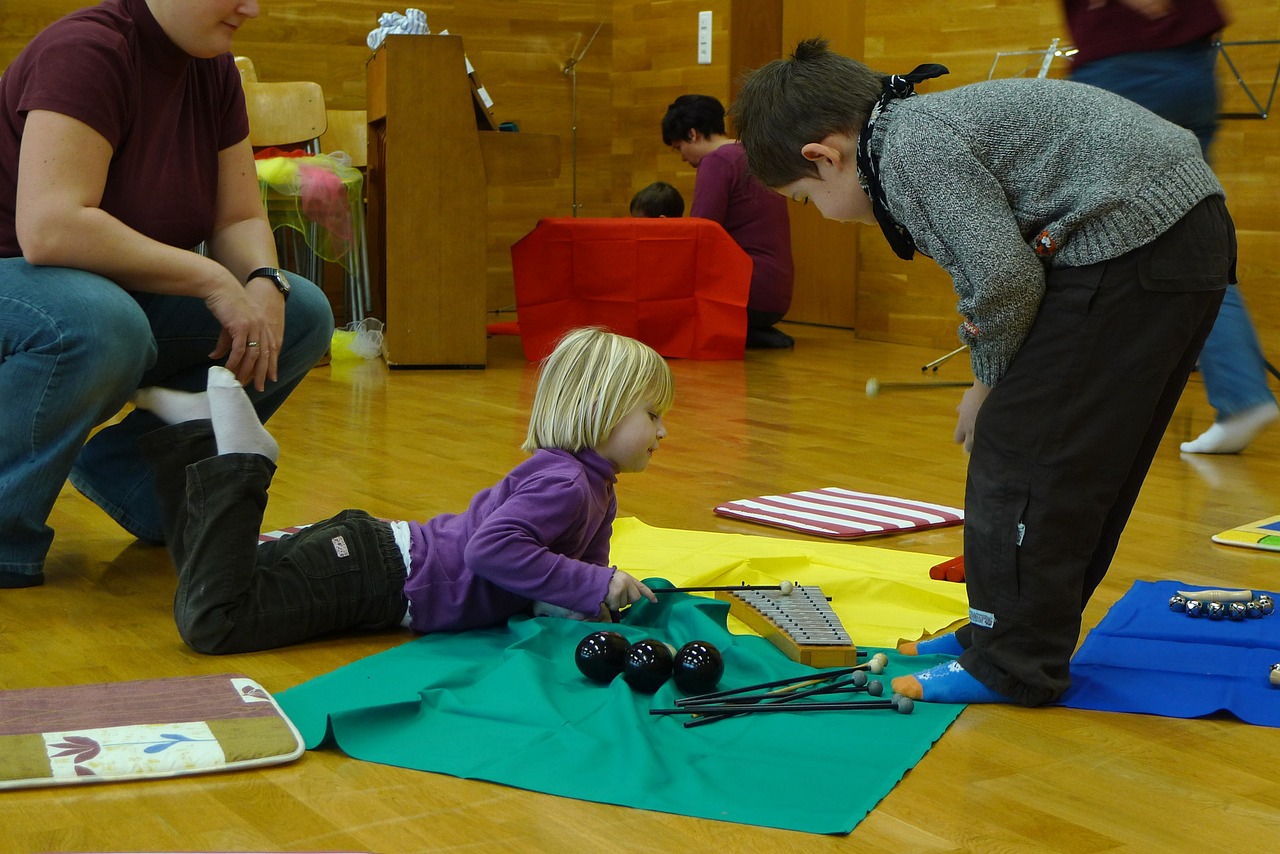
1235 381
73 347
1061 448
110 470
1179 85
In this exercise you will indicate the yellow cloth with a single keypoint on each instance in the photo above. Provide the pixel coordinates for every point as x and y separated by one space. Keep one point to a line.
881 596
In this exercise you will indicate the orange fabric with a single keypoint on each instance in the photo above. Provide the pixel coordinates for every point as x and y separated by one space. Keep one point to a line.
678 285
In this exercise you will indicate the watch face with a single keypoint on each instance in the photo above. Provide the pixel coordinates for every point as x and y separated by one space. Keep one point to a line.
276 276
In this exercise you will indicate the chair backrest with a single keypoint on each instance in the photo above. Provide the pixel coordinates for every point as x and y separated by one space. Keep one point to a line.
285 114
247 71
348 131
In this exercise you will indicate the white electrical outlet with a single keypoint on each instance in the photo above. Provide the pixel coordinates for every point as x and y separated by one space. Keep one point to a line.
704 38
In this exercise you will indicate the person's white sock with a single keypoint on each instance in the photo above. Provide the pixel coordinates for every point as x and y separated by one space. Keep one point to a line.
1232 435
235 422
172 406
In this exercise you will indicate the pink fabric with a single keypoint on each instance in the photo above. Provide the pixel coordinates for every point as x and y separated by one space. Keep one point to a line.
678 285
324 201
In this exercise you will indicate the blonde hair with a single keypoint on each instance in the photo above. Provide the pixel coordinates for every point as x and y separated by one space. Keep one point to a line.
587 384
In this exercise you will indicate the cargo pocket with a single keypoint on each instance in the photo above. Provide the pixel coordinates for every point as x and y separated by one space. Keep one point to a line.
1197 254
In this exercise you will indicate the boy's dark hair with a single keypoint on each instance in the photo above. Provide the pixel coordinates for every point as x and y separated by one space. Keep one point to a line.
791 102
702 113
658 199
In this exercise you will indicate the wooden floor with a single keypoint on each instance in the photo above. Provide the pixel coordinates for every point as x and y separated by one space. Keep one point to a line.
415 443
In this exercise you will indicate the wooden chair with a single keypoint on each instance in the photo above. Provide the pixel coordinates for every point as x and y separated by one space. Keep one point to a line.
247 72
348 132
289 116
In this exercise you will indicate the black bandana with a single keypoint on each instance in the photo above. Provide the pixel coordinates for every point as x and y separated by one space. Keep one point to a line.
895 86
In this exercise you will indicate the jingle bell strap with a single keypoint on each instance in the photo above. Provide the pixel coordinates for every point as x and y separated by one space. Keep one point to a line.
895 86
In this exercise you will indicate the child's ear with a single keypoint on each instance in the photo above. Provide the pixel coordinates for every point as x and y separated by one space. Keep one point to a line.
821 152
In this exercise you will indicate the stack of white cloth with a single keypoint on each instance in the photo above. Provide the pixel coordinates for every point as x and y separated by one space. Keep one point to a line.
413 22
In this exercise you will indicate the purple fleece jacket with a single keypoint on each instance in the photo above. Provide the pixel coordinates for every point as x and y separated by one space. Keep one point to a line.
540 534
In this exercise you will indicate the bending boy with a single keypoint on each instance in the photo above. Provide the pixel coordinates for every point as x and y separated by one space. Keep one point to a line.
1089 244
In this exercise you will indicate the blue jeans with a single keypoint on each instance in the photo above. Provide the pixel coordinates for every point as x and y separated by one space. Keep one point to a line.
1179 85
74 347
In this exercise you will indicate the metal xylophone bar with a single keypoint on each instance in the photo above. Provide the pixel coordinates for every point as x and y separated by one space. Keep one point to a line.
804 614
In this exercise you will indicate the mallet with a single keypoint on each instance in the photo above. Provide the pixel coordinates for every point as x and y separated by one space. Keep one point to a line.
785 587
874 386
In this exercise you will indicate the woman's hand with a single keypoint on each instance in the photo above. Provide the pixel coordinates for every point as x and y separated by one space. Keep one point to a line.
252 318
968 410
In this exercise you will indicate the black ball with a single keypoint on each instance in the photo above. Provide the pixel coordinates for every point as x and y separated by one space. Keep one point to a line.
600 655
698 667
647 665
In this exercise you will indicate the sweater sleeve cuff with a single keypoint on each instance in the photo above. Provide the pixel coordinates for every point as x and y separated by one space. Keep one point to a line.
987 369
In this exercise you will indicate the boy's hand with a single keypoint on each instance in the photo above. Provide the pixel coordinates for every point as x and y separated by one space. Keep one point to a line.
968 409
625 589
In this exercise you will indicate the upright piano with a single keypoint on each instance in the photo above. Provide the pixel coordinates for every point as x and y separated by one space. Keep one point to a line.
432 154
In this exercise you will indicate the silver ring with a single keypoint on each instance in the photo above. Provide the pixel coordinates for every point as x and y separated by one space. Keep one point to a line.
252 344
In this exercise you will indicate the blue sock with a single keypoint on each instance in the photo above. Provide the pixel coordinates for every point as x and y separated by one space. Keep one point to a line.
947 644
946 683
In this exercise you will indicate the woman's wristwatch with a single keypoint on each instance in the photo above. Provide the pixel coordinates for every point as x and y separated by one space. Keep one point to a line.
276 276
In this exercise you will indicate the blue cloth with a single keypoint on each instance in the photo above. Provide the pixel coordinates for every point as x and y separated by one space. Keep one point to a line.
73 349
508 705
1179 85
1144 658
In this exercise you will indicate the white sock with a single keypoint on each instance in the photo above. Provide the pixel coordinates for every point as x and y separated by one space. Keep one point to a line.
1232 435
172 406
235 422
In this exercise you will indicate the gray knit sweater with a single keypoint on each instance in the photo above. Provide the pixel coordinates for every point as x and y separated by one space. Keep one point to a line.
982 174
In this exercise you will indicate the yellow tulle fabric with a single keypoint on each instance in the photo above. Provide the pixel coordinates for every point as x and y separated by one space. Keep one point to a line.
323 190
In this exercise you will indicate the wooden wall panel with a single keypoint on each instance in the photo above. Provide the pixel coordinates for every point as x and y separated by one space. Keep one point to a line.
1246 156
654 62
825 252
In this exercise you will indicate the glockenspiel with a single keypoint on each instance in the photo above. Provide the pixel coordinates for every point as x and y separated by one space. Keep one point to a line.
801 623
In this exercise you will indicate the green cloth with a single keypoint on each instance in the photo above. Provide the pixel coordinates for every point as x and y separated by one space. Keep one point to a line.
508 705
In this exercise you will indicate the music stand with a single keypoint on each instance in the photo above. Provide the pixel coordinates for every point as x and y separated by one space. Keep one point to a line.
571 68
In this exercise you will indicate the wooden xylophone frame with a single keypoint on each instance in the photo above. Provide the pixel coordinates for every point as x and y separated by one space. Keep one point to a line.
780 619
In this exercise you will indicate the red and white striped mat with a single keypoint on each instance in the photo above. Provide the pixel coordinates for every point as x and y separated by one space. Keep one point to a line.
842 513
268 536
